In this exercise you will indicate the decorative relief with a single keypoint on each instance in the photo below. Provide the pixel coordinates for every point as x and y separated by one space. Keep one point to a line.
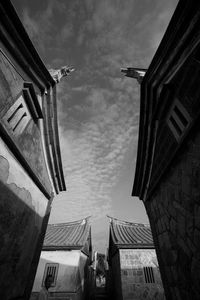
178 120
18 116
20 110
20 128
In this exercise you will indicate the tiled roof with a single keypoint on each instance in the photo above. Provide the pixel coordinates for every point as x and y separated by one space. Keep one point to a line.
127 234
73 235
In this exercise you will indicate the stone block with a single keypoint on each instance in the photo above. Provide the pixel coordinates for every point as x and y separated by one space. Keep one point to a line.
186 185
196 140
188 204
196 196
177 294
161 209
173 241
172 211
178 193
159 226
169 275
169 256
174 178
195 273
185 294
183 246
174 274
190 227
163 224
160 240
191 245
166 240
196 176
197 238
181 208
183 270
181 225
197 216
173 227
166 220
165 199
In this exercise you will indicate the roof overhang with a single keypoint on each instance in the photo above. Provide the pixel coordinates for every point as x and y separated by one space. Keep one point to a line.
135 246
25 53
177 44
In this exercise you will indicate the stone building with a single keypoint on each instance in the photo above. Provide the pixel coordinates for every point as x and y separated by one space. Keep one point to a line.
30 161
167 176
133 266
66 255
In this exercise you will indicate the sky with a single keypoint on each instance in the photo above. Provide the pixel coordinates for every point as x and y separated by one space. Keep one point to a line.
98 108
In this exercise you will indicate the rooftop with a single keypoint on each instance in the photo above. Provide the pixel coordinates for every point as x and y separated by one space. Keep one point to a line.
130 235
65 236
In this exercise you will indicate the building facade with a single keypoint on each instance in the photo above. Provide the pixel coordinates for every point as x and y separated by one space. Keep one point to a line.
30 161
133 266
66 255
167 176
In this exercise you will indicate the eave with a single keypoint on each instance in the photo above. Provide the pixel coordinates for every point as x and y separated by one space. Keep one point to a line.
27 54
135 246
19 48
177 44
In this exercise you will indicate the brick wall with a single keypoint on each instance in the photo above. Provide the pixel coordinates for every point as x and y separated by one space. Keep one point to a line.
174 213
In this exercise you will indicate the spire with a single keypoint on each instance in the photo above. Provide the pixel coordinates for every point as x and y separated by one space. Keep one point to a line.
136 73
59 73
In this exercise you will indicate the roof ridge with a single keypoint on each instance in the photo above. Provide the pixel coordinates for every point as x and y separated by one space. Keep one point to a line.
122 222
84 220
71 234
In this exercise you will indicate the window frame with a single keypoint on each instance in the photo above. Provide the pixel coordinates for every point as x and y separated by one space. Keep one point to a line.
55 273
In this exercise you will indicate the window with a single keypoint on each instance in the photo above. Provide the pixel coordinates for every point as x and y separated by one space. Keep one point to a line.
25 108
148 274
51 269
178 120
18 116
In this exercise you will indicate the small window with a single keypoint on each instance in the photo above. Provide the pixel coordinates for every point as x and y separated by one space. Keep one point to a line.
149 275
50 269
18 116
178 120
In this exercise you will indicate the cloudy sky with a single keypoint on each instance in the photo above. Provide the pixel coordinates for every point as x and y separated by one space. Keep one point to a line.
98 108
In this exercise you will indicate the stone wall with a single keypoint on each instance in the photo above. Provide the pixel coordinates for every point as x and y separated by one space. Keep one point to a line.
115 288
134 283
174 213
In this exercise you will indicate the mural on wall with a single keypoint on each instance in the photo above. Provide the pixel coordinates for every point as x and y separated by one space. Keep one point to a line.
140 274
21 213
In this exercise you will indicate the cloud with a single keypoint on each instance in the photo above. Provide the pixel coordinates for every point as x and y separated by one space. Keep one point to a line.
98 108
42 27
93 151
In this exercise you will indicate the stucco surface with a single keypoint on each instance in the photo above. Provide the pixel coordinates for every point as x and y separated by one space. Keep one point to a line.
29 140
22 208
71 277
68 278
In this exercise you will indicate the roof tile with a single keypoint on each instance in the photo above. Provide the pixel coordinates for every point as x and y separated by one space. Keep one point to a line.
127 233
67 235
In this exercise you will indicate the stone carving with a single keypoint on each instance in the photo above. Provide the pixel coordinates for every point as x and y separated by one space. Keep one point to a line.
136 73
58 74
